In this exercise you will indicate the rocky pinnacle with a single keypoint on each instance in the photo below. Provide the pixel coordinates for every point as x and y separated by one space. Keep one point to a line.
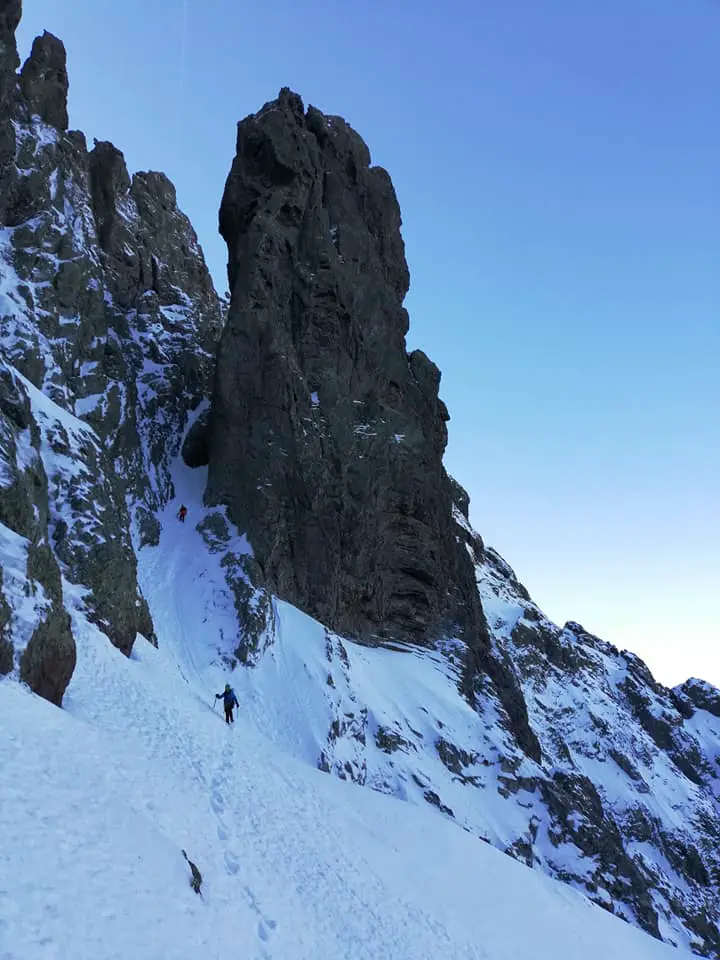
327 437
44 81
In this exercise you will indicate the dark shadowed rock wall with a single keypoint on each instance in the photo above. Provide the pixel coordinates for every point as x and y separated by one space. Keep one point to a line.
327 437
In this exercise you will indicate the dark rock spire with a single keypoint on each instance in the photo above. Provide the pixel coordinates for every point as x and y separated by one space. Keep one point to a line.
327 438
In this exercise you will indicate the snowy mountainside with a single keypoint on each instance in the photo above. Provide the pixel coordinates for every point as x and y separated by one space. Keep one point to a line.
613 809
543 741
104 805
293 864
631 770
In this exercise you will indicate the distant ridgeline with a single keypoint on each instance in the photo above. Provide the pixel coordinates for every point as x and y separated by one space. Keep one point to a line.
322 439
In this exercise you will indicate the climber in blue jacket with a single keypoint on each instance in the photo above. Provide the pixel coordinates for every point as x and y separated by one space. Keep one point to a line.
229 701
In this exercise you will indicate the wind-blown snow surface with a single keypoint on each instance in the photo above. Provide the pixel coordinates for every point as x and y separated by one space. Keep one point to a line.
98 800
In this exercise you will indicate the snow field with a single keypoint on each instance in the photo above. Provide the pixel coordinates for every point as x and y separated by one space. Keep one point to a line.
97 801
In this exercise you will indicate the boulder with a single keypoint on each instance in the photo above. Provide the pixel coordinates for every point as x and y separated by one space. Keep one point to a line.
48 661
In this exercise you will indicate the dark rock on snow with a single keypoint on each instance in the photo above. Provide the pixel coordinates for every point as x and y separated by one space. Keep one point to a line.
702 695
48 661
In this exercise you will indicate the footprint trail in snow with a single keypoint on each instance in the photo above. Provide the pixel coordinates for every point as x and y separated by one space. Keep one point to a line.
223 813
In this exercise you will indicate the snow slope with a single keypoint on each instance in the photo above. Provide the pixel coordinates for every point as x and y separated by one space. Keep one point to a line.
98 801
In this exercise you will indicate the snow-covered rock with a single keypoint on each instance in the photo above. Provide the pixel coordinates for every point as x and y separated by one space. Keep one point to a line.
108 318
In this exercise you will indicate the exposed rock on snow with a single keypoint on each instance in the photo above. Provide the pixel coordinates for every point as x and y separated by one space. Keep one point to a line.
6 647
48 661
701 695
108 316
33 622
195 875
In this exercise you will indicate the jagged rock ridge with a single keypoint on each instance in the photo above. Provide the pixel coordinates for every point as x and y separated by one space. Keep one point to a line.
107 314
326 436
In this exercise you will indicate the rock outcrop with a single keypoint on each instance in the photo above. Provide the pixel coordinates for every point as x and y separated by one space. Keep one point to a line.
326 436
48 661
10 13
108 324
35 633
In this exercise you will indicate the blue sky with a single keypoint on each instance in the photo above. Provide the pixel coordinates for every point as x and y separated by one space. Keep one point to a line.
558 168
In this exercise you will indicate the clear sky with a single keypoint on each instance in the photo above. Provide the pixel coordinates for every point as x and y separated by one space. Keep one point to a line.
558 166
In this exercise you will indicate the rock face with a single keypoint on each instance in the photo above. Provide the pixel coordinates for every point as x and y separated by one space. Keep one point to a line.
701 695
10 13
108 324
34 625
326 437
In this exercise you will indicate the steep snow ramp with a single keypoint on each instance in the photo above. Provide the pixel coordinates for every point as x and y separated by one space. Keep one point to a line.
98 801
616 818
